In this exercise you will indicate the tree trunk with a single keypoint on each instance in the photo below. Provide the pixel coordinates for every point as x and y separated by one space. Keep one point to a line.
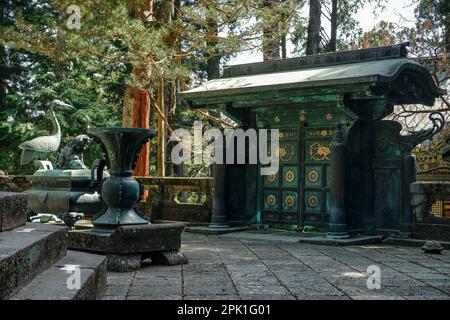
141 119
271 39
213 62
58 51
333 33
447 34
283 47
213 67
5 70
313 40
161 131
3 76
136 111
163 15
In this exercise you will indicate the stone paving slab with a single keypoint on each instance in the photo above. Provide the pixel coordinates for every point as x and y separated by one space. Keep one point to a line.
273 266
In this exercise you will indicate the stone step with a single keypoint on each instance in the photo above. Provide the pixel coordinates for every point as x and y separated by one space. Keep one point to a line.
60 281
12 210
27 251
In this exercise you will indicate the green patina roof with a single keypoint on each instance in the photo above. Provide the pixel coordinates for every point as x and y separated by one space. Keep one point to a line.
385 67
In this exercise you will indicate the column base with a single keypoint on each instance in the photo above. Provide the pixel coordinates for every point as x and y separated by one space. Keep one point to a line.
338 231
218 225
220 230
338 235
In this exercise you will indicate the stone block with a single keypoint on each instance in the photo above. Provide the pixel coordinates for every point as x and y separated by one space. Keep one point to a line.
52 284
12 210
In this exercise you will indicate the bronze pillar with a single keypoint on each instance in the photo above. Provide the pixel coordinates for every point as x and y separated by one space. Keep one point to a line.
338 218
408 177
219 218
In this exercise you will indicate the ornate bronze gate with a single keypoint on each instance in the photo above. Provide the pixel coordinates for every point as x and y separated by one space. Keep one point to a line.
299 192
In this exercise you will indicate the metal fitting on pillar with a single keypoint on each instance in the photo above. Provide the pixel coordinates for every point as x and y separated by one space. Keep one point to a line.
338 219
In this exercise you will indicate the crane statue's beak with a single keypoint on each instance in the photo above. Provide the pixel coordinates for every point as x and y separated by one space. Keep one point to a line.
62 106
66 107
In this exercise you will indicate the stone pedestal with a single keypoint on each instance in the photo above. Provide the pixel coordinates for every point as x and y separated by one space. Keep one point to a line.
126 246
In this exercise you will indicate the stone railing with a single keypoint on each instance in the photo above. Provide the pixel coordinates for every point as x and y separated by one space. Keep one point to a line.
424 194
178 199
425 224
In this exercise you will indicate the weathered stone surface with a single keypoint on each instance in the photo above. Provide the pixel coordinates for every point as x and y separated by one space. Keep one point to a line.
14 183
208 230
52 283
116 290
413 242
118 278
359 240
129 239
320 272
12 210
124 262
432 231
127 246
169 258
27 251
98 263
155 290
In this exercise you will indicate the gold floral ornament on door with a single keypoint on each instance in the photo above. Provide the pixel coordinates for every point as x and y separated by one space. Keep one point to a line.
286 152
289 176
271 178
313 201
289 201
320 151
313 176
271 200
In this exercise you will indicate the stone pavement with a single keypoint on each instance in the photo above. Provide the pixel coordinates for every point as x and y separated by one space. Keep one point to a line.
243 266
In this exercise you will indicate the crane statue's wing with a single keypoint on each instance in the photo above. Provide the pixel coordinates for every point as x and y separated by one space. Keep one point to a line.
37 148
41 144
28 155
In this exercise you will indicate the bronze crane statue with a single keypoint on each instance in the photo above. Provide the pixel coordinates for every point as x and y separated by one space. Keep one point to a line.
41 146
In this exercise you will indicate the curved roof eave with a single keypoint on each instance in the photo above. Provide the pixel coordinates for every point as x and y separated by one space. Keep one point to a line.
372 72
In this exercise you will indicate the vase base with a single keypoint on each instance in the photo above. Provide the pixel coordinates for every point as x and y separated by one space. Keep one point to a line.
115 217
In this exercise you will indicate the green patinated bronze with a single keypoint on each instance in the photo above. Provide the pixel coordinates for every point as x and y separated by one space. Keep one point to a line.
305 98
